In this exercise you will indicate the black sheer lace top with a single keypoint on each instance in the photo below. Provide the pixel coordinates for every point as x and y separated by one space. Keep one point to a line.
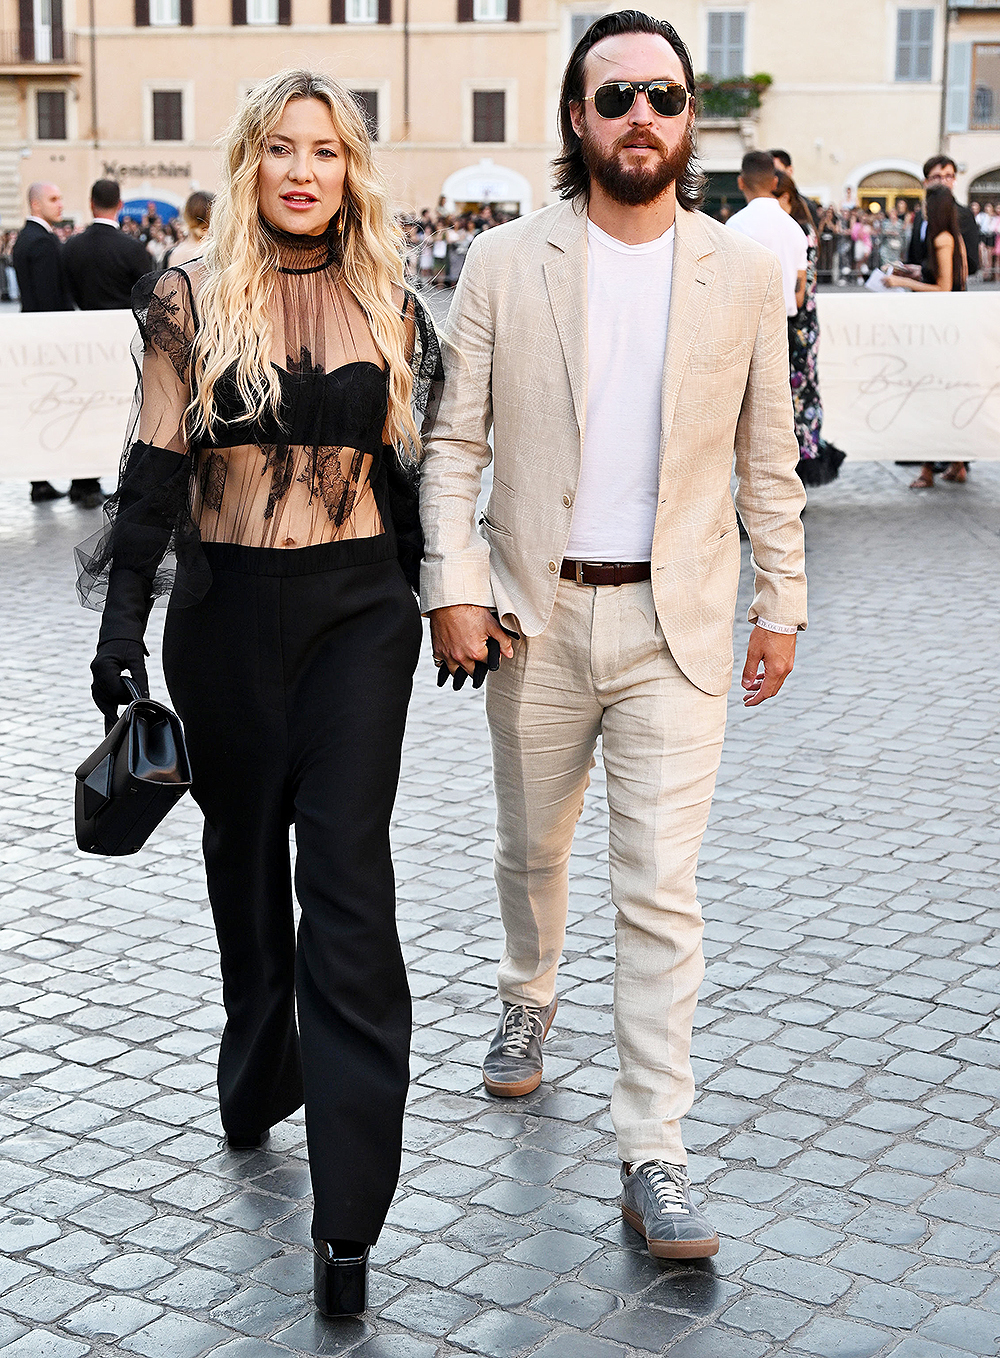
317 472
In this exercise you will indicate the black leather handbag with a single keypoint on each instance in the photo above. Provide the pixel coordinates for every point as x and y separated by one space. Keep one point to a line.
133 778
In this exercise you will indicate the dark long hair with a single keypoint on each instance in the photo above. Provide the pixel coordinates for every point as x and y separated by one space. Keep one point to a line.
942 216
570 174
788 188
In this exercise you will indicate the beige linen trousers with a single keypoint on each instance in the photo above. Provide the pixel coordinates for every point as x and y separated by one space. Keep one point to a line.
645 666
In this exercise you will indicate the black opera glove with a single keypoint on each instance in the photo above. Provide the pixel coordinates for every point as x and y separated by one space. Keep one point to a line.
120 645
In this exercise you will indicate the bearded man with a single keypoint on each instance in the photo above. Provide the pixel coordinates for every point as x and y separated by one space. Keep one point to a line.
622 346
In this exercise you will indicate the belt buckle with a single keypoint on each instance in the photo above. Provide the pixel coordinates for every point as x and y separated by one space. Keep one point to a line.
579 572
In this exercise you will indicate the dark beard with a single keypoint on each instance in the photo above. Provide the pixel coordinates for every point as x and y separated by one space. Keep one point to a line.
640 186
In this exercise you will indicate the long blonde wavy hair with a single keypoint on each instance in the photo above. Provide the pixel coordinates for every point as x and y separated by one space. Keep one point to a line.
241 260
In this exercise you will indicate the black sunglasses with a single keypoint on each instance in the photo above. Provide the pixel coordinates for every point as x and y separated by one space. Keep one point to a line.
666 97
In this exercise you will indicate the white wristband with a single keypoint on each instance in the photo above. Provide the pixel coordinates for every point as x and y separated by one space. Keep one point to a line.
781 627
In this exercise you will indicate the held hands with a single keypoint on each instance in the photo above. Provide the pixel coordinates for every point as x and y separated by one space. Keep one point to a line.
775 652
467 639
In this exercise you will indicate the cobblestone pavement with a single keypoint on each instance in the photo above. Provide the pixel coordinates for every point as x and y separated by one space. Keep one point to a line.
846 1128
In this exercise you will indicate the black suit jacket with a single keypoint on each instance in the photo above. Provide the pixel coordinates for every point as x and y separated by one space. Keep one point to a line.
102 267
37 259
967 225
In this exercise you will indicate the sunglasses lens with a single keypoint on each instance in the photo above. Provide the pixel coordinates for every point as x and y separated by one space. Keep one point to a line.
614 100
667 100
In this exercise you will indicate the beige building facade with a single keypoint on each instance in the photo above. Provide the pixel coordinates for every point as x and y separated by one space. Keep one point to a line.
462 94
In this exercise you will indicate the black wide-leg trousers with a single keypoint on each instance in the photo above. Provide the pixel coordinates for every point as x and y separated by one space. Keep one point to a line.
292 677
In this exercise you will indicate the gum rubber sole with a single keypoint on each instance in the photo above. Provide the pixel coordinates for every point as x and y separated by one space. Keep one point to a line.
519 1087
672 1249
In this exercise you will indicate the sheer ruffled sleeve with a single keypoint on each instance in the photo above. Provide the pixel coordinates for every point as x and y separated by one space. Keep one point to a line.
148 529
403 474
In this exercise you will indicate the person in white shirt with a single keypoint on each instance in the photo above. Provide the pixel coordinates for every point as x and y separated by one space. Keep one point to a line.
764 221
622 345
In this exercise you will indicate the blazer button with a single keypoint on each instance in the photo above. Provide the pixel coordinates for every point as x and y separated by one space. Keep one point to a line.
567 500
553 567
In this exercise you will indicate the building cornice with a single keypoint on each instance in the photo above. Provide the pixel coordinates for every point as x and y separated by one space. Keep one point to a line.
365 31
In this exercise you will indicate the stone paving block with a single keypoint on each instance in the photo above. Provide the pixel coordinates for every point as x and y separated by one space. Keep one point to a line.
499 1334
893 1306
111 1318
435 1312
42 1344
767 1316
978 1331
712 1343
579 1346
950 1284
800 1239
45 1298
830 1337
392 1346
258 1310
799 1278
175 1336
916 1347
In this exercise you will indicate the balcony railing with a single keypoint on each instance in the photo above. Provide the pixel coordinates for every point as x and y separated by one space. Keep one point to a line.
735 97
37 47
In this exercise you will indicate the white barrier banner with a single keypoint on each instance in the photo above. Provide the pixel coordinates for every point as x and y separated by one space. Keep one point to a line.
911 376
66 386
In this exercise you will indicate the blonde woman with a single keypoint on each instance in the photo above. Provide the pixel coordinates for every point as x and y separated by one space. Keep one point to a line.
282 380
197 216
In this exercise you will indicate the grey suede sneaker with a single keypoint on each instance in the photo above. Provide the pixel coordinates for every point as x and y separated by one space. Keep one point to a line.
513 1064
656 1202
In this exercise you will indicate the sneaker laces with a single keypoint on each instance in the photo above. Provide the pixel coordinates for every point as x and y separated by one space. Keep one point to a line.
520 1024
669 1185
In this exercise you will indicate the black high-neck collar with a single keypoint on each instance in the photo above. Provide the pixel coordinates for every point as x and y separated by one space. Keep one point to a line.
301 253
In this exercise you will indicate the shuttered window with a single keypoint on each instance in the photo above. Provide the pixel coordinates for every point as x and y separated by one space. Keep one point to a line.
488 115
168 115
914 43
368 99
50 115
726 39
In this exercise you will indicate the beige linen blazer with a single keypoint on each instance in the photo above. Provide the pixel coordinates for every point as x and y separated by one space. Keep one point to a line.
515 356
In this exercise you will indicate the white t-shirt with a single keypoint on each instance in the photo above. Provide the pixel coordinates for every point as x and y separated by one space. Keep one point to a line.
766 221
628 307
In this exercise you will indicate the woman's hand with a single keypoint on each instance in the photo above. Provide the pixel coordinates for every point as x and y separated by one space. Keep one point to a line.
107 666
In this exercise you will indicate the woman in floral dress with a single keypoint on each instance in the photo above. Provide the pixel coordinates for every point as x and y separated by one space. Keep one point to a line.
819 462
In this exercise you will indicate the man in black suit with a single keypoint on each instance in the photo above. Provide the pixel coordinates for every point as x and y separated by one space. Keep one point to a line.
103 264
37 258
942 170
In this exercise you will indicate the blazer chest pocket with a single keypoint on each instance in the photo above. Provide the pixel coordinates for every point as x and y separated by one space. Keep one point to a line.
718 355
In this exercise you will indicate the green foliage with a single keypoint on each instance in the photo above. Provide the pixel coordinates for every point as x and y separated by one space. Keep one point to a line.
734 97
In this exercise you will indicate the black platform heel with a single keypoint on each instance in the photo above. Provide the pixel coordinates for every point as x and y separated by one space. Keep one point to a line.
252 1141
340 1276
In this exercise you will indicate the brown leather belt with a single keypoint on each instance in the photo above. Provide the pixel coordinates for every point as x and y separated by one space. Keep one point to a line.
605 572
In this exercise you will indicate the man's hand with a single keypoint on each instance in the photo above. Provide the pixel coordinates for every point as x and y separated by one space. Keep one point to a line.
459 635
776 652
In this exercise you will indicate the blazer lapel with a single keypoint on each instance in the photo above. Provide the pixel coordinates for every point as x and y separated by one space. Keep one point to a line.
690 291
566 282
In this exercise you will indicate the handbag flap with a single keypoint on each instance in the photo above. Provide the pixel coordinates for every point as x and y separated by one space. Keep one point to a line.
156 745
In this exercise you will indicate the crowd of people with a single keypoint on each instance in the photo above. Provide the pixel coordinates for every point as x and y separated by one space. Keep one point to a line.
437 242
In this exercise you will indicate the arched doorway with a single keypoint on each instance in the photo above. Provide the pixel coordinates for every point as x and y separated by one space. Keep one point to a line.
985 188
477 185
888 188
